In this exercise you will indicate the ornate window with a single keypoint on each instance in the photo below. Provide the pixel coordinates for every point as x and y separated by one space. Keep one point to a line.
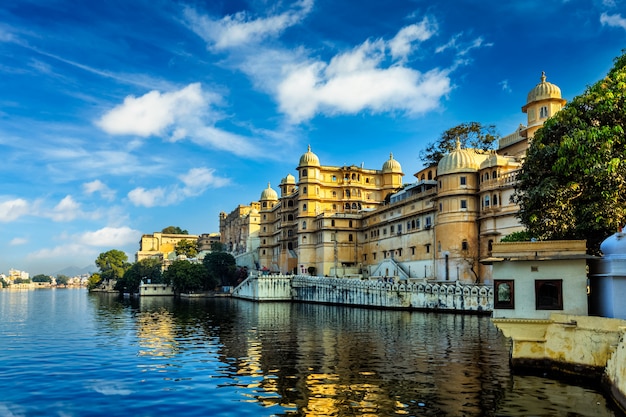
504 294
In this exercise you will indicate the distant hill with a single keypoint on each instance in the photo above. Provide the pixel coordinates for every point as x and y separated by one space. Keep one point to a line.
72 271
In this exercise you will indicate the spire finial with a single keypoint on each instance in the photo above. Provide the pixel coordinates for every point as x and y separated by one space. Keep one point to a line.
390 155
458 143
309 148
268 185
543 76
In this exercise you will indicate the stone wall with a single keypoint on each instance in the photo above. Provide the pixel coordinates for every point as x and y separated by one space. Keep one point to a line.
450 296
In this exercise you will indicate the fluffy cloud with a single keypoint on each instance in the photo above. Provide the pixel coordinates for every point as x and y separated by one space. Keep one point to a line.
109 236
194 183
364 79
147 198
98 186
18 241
176 115
66 210
241 29
13 209
152 113
615 20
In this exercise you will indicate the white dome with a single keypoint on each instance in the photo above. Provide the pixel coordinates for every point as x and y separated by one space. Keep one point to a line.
614 246
269 193
543 90
391 165
309 159
459 160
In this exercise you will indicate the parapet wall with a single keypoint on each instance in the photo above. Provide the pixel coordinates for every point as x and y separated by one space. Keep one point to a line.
451 296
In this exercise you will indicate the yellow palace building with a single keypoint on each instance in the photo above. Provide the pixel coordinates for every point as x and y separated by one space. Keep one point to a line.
351 221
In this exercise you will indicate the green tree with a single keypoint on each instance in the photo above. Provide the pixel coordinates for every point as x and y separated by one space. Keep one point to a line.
471 135
221 266
145 269
112 264
218 247
62 279
186 247
94 280
174 230
523 236
42 278
21 281
185 277
572 184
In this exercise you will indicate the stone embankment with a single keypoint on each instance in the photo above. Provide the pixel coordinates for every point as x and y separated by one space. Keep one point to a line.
442 296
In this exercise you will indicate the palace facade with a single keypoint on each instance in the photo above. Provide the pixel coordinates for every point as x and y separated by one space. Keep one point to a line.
351 221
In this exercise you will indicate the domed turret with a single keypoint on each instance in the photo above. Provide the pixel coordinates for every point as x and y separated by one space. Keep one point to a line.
459 160
543 90
614 246
289 179
269 194
309 159
391 165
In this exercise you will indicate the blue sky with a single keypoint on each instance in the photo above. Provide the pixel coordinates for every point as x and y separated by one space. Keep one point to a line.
119 118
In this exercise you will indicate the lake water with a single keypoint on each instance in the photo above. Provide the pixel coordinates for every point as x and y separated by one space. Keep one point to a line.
65 352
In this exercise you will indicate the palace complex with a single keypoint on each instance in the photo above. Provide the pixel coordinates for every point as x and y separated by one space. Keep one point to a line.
351 221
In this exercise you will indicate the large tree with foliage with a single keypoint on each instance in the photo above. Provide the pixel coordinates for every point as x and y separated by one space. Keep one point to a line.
572 183
189 248
112 264
174 230
42 278
471 135
148 269
221 266
186 277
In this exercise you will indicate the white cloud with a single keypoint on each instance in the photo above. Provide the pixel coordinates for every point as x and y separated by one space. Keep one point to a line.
147 198
174 116
109 236
99 187
615 20
241 29
401 44
18 241
505 86
13 209
363 79
152 113
194 183
66 210
69 251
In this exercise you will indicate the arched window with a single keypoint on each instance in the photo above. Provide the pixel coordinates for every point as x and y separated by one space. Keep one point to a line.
354 176
430 175
487 201
494 175
347 193
290 217
334 193
304 207
304 172
350 239
348 206
304 225
290 245
304 190
413 224
332 223
464 245
350 223
290 203
334 206
423 177
495 199
354 206
289 233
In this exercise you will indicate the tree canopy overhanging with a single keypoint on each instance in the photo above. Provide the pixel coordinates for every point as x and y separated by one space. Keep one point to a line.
572 183
471 135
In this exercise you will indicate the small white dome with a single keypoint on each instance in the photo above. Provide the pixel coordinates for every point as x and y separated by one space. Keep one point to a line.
459 160
391 165
269 193
614 246
309 159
